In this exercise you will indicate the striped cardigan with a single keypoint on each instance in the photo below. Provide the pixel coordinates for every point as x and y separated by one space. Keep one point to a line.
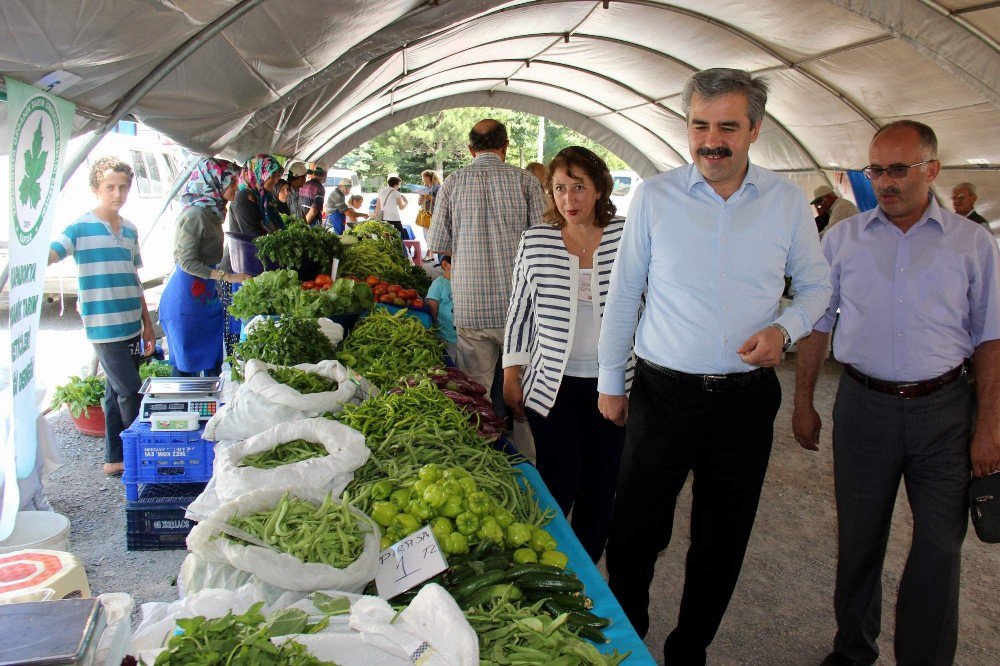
541 317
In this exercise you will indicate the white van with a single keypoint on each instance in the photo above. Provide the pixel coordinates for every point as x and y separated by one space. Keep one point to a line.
625 184
156 164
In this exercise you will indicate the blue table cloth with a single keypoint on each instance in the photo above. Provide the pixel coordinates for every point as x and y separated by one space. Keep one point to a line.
621 635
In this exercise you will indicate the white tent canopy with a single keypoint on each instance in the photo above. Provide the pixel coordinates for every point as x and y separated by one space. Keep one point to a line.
315 79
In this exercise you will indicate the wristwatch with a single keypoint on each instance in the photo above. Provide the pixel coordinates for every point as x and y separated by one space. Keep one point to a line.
787 339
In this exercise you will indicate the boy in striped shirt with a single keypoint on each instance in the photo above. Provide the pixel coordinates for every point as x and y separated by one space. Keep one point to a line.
111 302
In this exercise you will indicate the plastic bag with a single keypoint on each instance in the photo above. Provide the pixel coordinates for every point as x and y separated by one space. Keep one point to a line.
345 448
281 569
262 401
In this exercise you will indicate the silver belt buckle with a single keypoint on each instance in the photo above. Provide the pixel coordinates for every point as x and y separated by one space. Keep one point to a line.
708 378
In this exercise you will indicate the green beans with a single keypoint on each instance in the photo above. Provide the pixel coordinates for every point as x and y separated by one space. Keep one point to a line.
286 453
384 348
302 381
326 534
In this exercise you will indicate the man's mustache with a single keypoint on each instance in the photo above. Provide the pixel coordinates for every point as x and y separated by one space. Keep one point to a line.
889 191
721 151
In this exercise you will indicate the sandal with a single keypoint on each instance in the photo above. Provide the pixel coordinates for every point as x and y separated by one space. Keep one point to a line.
114 469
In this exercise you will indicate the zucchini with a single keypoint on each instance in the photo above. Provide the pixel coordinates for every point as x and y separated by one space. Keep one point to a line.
475 583
590 633
564 603
519 570
549 583
582 618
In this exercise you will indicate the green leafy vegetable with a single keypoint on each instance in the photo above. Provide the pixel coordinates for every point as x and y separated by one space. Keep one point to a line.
384 348
280 293
79 395
288 341
292 246
302 381
154 369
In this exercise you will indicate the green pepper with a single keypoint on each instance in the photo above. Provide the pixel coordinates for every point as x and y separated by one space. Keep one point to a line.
504 517
420 486
455 473
541 540
419 509
518 534
467 522
441 527
554 558
455 544
431 472
489 530
385 543
382 490
525 556
393 534
479 503
406 523
434 496
402 496
452 507
468 484
452 487
384 512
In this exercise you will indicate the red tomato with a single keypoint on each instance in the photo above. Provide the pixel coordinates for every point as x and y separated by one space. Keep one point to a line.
308 284
395 287
385 299
384 285
322 278
371 280
323 287
417 303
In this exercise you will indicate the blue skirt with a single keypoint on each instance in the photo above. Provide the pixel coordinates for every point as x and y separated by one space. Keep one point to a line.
192 317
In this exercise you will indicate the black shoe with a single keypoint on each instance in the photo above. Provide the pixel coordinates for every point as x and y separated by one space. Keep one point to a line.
837 659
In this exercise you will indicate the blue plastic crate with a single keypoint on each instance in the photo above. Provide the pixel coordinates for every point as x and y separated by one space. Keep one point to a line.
164 457
155 521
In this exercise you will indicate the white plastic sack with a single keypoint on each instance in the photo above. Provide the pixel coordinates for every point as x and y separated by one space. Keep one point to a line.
114 642
281 569
345 447
261 401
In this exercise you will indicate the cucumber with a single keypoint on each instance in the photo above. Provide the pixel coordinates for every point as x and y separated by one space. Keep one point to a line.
494 562
590 633
564 603
475 583
549 583
519 570
582 618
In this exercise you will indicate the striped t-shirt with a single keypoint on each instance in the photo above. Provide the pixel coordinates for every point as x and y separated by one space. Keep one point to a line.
109 287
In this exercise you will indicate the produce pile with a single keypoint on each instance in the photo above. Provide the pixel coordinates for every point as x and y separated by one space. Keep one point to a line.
288 341
378 253
385 347
286 453
302 381
281 293
298 245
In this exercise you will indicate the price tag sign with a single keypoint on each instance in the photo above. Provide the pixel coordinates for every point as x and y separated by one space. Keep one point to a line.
409 562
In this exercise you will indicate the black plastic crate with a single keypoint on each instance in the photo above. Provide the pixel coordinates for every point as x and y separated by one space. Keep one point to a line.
156 520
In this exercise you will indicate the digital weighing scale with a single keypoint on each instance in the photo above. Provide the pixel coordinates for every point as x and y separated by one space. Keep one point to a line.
201 395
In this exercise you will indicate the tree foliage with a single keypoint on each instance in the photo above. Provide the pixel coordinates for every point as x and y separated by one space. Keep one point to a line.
439 141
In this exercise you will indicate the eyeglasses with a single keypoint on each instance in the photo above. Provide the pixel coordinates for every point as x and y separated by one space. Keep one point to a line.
894 171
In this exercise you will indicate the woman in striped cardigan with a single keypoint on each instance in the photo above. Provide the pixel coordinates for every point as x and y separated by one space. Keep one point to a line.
560 281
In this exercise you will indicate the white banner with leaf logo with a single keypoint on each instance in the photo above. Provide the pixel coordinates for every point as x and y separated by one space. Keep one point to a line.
39 127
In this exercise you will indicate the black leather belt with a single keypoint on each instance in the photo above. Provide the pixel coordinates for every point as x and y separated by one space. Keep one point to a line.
905 389
711 382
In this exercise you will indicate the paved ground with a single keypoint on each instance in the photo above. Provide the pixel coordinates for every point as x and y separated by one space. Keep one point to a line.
781 612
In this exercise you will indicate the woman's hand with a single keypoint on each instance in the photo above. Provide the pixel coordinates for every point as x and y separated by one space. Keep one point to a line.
401 202
513 392
238 278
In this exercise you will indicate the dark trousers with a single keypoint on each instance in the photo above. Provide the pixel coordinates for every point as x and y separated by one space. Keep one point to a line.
577 453
724 438
121 361
878 439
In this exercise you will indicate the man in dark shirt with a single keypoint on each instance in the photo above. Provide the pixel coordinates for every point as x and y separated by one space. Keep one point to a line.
313 194
963 200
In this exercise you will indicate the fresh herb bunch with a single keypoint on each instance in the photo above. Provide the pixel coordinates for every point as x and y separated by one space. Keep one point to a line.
246 638
386 347
302 381
79 395
285 453
288 341
280 293
374 227
154 369
292 246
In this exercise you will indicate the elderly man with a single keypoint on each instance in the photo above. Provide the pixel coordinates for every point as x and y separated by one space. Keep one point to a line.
479 215
918 290
831 207
313 194
336 206
963 200
709 246
296 177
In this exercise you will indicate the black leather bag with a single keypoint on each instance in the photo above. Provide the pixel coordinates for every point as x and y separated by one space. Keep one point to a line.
984 503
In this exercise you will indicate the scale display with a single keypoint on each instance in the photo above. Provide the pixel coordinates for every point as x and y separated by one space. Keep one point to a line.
180 394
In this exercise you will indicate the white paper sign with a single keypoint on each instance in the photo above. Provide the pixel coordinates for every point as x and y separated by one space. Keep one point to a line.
409 562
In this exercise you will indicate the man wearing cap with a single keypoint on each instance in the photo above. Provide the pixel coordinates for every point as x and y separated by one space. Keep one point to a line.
313 194
296 177
831 207
336 206
963 200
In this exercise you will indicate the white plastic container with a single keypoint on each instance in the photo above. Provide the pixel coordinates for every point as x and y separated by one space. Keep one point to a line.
38 529
174 422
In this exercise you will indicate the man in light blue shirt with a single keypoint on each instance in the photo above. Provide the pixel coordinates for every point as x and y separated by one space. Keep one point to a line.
918 291
709 244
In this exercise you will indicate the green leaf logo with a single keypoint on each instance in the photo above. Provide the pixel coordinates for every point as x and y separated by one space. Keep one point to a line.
35 158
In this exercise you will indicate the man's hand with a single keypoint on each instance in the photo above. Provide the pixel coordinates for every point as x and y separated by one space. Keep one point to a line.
763 348
148 341
806 425
513 395
613 407
985 452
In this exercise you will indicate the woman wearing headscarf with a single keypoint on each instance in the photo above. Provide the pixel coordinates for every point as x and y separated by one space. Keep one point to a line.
254 211
190 310
561 274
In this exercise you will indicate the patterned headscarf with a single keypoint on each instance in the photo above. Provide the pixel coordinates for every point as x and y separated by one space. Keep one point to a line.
253 176
209 179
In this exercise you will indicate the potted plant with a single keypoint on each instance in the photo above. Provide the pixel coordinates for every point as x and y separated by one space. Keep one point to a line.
82 397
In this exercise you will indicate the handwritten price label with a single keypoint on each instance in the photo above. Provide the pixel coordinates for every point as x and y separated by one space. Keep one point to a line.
409 562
